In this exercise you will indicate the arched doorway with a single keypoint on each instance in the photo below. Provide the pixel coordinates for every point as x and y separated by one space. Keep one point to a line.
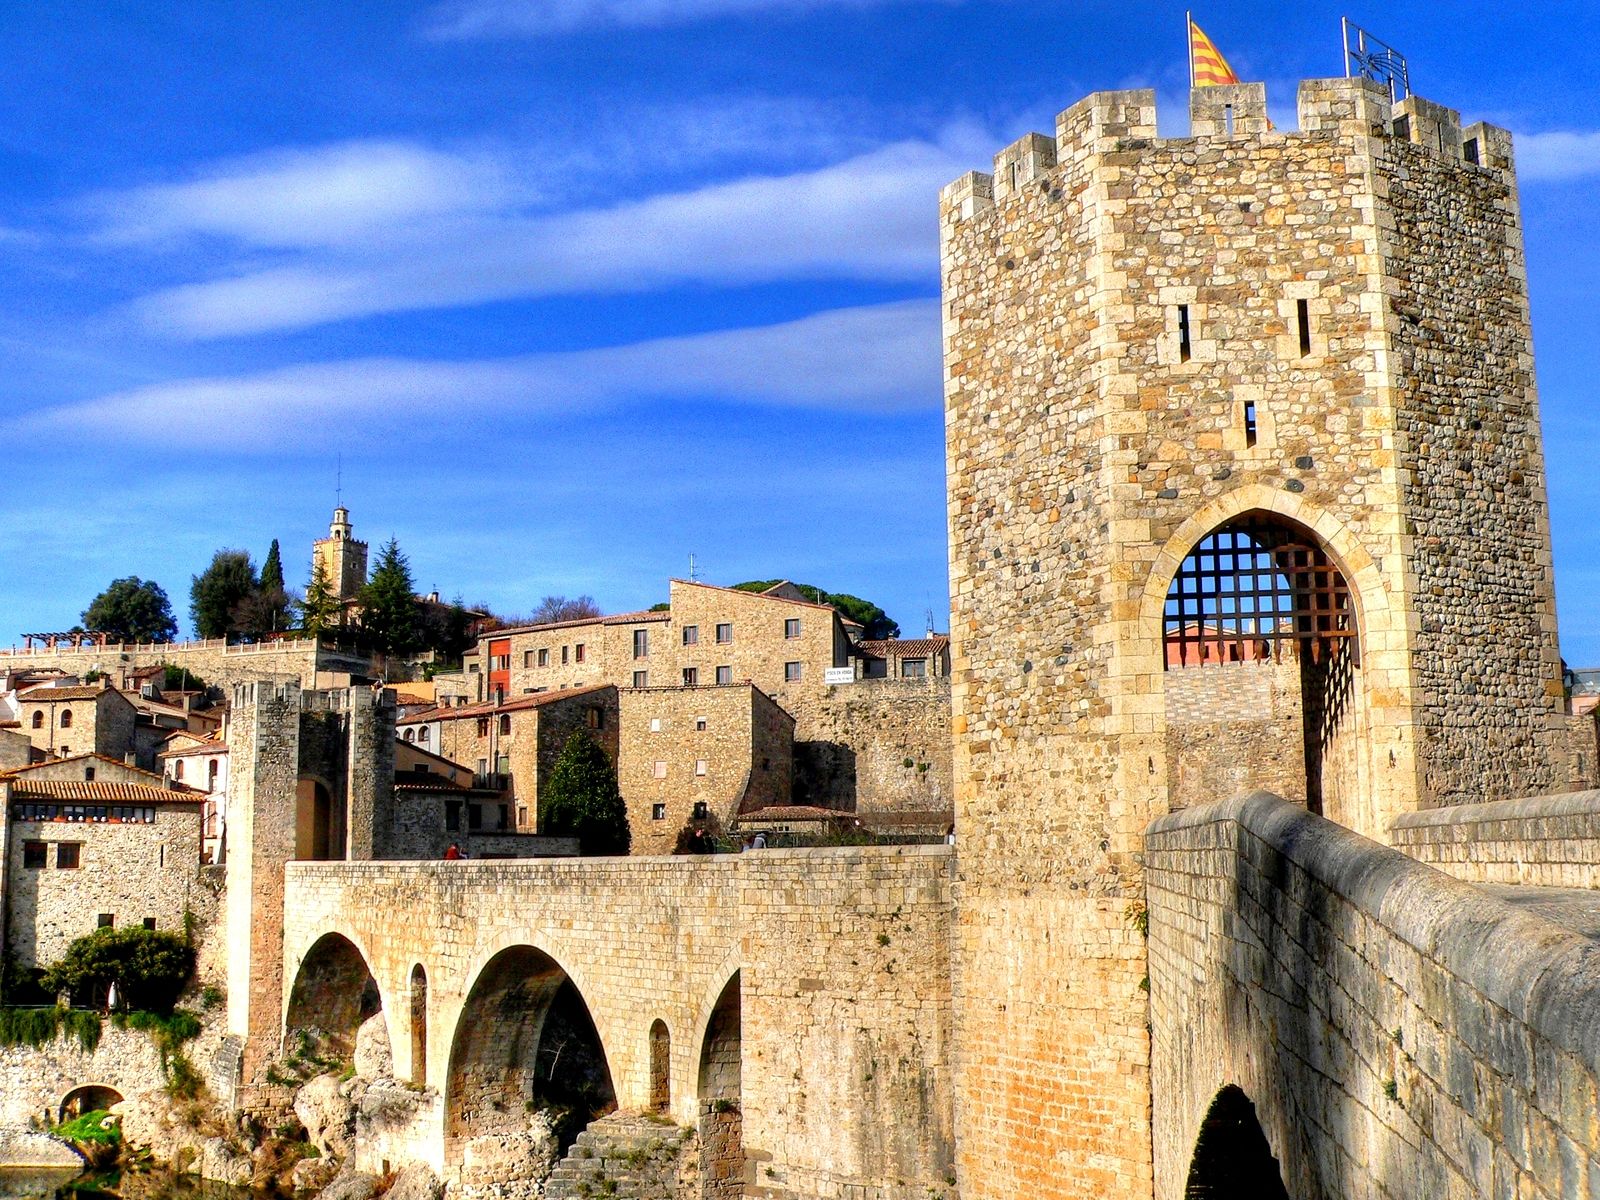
334 994
1262 658
660 1067
525 1050
91 1097
722 1166
1232 1158
313 821
419 1026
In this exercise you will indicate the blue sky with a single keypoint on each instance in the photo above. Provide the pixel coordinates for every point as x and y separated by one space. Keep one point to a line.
577 288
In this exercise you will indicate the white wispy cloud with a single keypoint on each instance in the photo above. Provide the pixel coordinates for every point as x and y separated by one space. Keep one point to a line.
462 19
1558 155
881 358
330 195
868 217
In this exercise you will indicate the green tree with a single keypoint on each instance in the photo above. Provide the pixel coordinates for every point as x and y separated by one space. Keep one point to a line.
389 604
215 594
444 629
874 621
272 569
132 610
319 611
150 968
266 610
582 799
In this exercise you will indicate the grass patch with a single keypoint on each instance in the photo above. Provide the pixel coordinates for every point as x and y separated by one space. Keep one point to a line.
89 1130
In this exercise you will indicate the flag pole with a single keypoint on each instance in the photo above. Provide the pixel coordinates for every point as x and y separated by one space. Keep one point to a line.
1344 38
1188 43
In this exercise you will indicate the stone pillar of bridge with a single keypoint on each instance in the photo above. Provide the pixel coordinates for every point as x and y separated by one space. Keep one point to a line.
264 757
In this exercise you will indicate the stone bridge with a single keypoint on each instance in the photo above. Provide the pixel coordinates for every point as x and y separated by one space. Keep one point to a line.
1375 1025
802 995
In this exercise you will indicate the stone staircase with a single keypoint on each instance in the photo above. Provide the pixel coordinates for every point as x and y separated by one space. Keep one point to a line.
623 1156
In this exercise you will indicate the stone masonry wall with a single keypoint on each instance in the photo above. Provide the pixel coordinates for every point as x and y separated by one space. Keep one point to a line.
219 664
858 737
842 957
1401 1034
127 870
34 1081
1234 728
1125 372
1545 841
744 749
1489 672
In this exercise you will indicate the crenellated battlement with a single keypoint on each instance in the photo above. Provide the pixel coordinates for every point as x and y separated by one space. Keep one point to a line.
1108 122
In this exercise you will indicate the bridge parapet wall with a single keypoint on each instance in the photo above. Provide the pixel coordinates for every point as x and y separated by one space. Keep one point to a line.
1545 841
1400 1033
844 967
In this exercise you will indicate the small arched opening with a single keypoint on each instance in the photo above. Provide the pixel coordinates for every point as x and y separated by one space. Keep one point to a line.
419 1026
722 1166
313 820
660 1067
526 1056
1262 664
334 995
91 1097
1232 1158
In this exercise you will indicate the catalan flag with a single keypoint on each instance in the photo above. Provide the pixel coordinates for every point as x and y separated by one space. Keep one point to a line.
1207 68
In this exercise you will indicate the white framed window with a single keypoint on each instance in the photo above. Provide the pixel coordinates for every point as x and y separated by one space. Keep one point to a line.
724 633
660 770
724 674
691 635
791 672
655 724
791 627
641 643
699 766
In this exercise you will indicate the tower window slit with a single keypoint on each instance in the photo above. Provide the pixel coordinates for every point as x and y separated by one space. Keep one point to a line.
1249 422
1303 311
1227 118
1184 348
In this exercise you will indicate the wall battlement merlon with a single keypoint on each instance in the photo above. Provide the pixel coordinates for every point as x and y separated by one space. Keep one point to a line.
1113 121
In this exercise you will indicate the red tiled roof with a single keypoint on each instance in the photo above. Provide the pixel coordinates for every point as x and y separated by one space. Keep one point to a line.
905 647
95 790
794 812
46 692
490 709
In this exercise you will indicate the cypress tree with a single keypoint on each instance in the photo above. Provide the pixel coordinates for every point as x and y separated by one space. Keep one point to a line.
582 800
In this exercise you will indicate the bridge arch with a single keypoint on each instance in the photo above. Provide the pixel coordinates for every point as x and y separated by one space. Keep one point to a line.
718 1094
87 1097
525 1038
1232 1158
333 995
1303 726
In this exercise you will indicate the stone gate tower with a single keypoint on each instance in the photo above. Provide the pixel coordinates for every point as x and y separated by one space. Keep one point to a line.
1246 489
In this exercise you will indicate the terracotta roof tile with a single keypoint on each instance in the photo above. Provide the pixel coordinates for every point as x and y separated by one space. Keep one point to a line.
46 692
97 791
905 647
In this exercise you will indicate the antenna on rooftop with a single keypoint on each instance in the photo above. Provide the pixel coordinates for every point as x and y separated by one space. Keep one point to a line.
338 481
692 576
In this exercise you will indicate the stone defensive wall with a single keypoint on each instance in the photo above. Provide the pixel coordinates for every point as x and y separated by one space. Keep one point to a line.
213 660
875 746
1392 1032
1546 841
837 962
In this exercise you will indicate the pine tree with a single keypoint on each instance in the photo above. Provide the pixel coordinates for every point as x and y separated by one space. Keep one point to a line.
272 569
389 615
582 800
319 611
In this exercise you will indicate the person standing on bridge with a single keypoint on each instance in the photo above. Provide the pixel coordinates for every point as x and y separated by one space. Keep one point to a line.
454 852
